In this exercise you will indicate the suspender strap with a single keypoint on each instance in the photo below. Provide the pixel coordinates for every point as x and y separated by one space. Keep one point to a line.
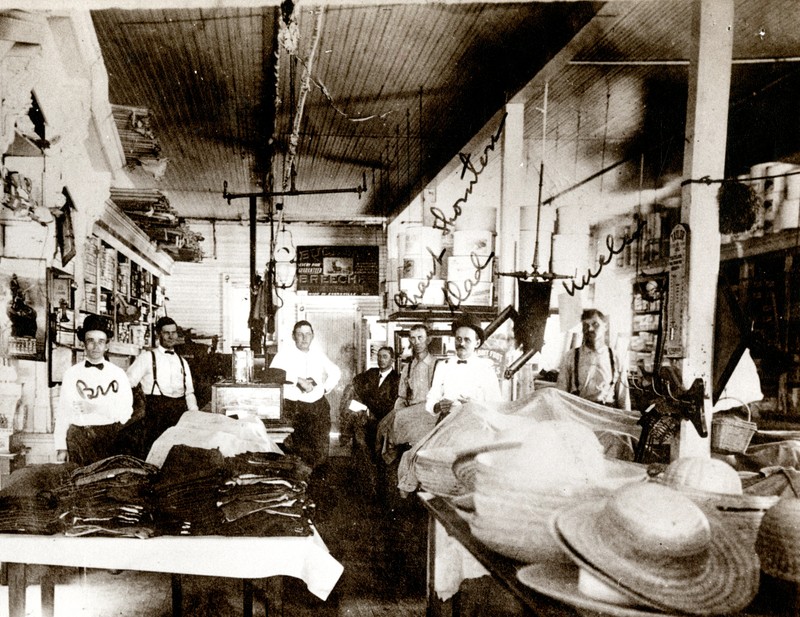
575 385
155 373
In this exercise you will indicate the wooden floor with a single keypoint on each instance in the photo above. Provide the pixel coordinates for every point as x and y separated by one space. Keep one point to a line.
379 540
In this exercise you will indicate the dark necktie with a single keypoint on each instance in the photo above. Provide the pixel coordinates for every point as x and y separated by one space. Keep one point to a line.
172 353
88 364
461 362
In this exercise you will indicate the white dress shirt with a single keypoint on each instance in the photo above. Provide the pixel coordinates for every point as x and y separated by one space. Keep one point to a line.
474 379
170 370
312 364
91 397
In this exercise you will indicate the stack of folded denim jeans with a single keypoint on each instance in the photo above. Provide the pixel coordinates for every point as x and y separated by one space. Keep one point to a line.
265 495
110 497
185 491
29 503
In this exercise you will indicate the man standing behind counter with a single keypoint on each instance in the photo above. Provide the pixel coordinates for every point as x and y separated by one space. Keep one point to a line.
593 371
95 401
166 381
311 375
466 377
416 376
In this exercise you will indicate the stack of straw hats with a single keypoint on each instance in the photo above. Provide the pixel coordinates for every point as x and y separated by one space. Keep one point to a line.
652 546
517 489
716 487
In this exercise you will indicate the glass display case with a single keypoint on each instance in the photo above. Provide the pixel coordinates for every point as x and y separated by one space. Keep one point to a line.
261 400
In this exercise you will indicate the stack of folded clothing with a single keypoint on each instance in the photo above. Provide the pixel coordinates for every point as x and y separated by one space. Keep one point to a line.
185 491
29 503
110 497
200 492
265 495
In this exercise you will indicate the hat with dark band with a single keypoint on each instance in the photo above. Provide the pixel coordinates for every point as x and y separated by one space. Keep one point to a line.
656 545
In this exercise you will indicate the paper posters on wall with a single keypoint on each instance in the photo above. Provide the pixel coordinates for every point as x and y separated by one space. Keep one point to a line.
23 316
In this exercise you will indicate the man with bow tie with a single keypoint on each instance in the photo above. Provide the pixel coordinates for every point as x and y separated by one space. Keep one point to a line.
95 401
167 383
465 377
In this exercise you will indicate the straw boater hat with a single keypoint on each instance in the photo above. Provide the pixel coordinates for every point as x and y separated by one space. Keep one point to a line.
656 545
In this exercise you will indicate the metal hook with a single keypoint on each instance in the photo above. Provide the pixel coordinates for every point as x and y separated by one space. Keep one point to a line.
669 392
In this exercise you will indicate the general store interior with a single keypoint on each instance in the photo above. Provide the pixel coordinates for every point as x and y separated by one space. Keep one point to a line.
367 166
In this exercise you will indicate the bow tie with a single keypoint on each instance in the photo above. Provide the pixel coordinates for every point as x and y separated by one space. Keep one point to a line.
461 362
172 353
88 364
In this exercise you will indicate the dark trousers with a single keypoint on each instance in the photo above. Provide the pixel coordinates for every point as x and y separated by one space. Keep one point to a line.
161 413
312 427
89 444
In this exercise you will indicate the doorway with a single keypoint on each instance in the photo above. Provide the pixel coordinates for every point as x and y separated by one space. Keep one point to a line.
336 333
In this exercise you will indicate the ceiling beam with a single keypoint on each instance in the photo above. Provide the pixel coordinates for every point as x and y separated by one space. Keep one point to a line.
771 60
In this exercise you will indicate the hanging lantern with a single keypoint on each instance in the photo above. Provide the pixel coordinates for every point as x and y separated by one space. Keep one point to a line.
284 245
285 273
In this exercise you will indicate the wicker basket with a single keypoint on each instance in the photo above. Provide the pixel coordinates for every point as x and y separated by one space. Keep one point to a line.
731 435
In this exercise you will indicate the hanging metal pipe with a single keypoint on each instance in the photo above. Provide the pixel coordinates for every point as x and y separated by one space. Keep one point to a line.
519 363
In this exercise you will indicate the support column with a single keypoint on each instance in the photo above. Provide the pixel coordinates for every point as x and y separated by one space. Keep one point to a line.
704 155
512 197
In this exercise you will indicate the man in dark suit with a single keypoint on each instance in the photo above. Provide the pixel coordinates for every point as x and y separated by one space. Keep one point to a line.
376 390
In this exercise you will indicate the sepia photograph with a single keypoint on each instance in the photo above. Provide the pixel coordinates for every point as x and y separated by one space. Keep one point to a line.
407 308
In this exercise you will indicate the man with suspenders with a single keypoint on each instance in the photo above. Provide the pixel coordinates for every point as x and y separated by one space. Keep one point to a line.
592 371
166 380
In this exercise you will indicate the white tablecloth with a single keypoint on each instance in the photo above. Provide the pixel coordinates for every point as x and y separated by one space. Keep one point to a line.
306 558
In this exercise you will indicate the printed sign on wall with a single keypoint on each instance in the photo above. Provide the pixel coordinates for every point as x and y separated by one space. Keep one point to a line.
338 270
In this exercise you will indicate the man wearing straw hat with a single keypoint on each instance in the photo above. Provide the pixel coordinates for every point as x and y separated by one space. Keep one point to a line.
593 371
465 377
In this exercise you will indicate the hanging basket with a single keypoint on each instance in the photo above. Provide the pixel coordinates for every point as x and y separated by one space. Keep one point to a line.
732 435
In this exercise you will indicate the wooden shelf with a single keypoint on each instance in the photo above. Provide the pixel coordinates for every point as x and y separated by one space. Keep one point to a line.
786 240
484 313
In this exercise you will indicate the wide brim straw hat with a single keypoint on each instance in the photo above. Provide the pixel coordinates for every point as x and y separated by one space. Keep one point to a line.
656 545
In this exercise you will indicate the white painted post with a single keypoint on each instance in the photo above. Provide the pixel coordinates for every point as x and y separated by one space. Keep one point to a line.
704 155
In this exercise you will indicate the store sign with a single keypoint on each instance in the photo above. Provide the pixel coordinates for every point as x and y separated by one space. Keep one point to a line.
677 292
338 270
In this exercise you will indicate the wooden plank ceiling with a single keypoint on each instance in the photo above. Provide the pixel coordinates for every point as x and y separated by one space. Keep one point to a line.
397 89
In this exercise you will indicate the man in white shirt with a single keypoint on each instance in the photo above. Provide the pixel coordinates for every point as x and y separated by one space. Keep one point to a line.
95 400
311 375
593 371
167 383
466 377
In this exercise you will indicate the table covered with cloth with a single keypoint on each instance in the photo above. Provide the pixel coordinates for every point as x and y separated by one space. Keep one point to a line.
476 424
306 558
